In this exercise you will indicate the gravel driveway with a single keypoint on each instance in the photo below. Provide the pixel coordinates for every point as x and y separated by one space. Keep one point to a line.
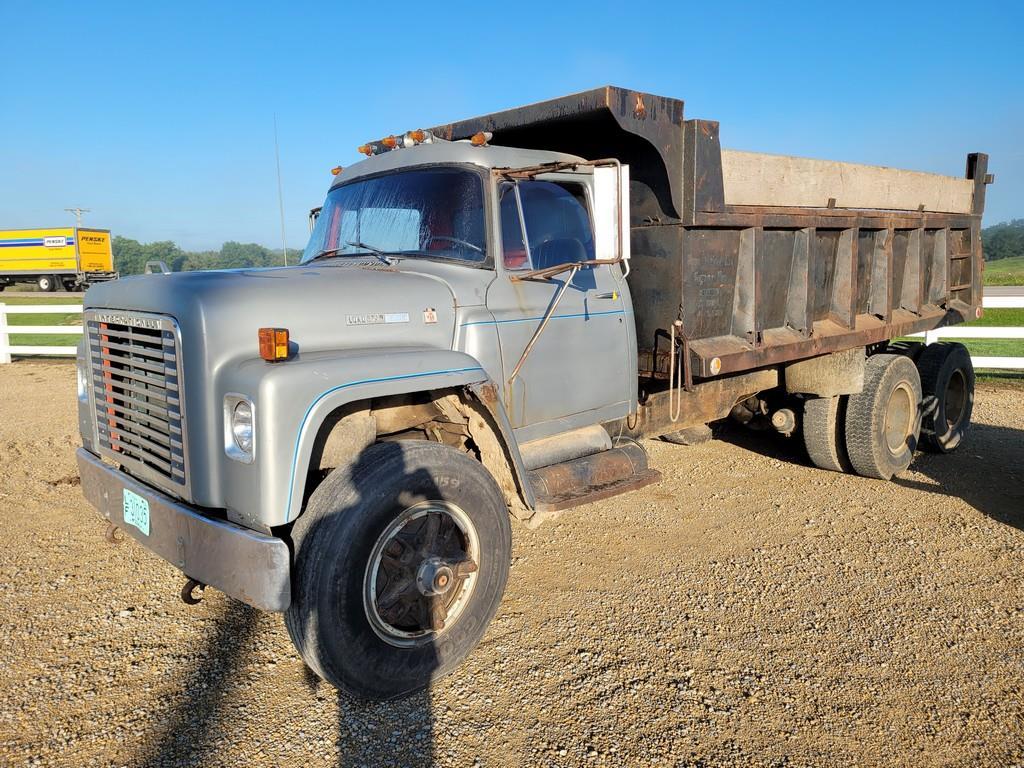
748 610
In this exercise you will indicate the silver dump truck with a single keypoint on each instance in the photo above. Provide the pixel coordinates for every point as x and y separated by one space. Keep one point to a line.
489 317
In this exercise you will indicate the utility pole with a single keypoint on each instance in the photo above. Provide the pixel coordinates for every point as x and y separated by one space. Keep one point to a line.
280 192
78 214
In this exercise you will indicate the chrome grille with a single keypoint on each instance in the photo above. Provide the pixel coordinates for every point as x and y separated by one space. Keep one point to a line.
135 366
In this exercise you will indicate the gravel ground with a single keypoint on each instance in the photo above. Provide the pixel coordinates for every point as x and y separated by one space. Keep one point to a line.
748 610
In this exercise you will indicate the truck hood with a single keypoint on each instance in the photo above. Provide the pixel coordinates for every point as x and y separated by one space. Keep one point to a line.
323 306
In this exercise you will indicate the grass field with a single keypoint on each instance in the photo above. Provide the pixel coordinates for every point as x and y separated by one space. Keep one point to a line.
1005 271
43 339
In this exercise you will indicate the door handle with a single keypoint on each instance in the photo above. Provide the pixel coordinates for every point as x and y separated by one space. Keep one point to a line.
613 295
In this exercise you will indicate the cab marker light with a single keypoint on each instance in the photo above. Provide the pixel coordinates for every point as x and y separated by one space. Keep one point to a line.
481 138
336 170
273 344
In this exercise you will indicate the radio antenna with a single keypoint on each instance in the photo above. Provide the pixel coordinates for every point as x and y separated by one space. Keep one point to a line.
280 191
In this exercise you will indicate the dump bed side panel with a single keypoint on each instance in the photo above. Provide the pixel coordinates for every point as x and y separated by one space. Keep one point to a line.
765 288
785 258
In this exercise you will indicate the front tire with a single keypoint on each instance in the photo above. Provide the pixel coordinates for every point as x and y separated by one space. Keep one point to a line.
400 563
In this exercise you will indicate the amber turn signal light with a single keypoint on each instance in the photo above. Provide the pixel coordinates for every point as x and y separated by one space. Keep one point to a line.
274 344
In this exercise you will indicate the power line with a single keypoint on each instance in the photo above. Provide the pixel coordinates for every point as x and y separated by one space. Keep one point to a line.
78 214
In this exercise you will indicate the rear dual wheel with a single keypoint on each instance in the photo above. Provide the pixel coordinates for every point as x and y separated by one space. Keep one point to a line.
824 433
947 383
883 420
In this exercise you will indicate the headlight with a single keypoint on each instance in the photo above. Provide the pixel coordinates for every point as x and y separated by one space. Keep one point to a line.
239 428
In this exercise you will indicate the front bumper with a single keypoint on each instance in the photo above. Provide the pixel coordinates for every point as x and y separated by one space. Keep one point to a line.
248 566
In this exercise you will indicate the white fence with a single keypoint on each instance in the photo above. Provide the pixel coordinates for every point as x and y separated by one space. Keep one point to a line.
6 350
949 332
966 333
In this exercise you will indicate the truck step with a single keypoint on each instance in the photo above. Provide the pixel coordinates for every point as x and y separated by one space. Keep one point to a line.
592 478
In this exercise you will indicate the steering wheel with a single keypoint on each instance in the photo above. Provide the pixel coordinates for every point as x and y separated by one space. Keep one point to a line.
458 240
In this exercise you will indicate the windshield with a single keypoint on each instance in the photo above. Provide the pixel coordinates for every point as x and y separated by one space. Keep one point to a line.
431 213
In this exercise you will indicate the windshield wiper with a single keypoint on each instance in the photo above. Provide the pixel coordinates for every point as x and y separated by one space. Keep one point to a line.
370 249
327 252
356 244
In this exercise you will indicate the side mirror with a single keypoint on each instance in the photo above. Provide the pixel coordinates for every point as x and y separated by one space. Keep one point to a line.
314 214
611 213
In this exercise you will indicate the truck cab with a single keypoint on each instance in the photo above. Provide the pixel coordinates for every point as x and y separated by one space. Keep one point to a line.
467 215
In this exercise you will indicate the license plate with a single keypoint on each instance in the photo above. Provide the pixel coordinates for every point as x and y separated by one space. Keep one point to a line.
136 511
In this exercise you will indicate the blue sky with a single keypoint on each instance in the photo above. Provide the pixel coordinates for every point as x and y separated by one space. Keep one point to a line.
159 117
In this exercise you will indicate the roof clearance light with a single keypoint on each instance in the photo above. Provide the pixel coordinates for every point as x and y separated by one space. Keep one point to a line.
390 142
336 170
418 135
273 344
365 149
480 139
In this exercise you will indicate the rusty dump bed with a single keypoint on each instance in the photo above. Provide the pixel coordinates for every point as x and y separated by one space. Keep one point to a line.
764 258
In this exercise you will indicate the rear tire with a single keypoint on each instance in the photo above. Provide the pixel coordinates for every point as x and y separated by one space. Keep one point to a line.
947 383
883 420
824 432
359 615
47 283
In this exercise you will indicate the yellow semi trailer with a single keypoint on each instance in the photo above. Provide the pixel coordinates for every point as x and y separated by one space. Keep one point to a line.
54 258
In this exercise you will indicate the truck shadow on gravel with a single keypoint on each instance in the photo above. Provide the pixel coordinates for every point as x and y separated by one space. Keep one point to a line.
986 472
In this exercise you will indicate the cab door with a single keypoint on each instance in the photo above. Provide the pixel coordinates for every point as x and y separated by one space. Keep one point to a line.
580 368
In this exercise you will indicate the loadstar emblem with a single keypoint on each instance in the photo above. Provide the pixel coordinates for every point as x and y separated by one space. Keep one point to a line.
377 318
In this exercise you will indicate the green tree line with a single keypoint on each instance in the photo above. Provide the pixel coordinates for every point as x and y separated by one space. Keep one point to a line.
1003 241
130 256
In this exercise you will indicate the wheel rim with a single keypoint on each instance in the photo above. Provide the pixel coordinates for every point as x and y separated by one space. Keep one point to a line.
899 418
421 573
955 398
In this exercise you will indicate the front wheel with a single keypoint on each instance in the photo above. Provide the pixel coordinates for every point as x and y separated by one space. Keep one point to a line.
400 563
